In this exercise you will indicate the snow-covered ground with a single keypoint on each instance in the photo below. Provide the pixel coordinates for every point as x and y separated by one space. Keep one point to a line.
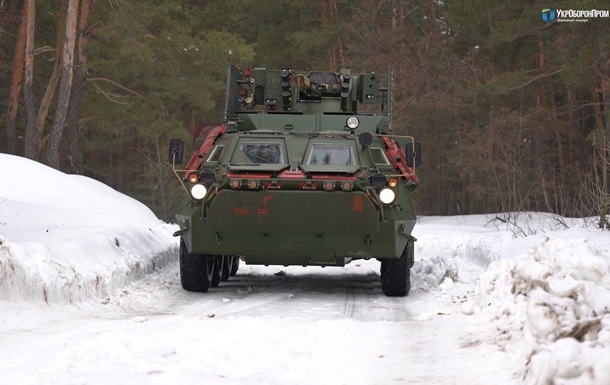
90 294
67 238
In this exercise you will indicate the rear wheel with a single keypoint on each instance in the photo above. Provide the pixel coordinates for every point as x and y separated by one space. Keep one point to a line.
227 266
396 274
193 270
216 266
235 266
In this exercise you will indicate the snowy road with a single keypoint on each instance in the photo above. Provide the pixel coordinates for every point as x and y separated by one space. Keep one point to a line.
90 294
266 325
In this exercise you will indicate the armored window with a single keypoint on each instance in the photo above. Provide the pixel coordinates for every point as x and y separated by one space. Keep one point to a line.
378 157
259 153
331 155
215 155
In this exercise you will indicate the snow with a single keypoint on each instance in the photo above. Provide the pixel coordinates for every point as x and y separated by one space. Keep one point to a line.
67 238
90 294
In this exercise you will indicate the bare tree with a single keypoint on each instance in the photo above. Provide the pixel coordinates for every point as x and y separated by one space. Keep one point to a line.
45 103
31 133
65 86
603 148
76 158
15 90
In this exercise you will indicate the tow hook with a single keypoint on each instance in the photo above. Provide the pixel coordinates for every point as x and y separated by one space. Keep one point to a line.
184 228
403 231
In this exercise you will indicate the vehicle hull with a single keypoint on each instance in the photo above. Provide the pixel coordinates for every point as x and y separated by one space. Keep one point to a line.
296 227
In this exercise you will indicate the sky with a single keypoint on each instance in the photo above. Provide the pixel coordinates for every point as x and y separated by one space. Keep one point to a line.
90 294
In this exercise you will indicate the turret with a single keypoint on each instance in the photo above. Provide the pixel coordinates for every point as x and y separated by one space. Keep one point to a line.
312 101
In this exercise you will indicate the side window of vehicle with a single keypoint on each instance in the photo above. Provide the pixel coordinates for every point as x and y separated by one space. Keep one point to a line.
379 157
215 154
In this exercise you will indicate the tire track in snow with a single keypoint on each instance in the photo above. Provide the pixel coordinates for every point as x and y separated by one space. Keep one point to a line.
248 297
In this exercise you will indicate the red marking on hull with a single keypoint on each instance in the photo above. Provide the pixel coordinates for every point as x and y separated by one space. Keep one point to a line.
241 211
265 209
267 199
357 203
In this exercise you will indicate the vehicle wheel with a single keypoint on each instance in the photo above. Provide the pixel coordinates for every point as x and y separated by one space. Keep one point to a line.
235 266
210 265
396 275
193 270
216 267
227 266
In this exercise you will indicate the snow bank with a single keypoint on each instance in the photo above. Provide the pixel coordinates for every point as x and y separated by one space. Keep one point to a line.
67 238
552 305
443 241
545 291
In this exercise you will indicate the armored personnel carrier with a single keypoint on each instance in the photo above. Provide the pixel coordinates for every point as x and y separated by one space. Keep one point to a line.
304 171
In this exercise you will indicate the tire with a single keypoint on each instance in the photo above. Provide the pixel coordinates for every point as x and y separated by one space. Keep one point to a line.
215 268
396 274
235 266
227 267
193 270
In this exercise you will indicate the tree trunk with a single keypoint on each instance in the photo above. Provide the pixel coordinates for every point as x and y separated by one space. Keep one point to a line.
324 24
605 151
45 103
556 128
605 98
76 156
332 50
65 86
571 94
13 104
323 16
340 56
31 133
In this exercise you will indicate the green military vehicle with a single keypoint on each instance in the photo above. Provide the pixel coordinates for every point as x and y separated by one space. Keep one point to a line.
304 171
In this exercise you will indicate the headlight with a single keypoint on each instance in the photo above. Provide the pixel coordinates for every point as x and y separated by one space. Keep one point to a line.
198 191
387 196
352 122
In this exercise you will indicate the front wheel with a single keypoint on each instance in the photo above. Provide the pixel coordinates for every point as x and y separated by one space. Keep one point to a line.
396 274
194 274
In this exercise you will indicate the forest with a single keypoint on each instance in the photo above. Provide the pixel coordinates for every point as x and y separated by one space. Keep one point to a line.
512 111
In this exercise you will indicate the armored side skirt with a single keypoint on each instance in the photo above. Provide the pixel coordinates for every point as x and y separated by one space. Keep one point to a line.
295 227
